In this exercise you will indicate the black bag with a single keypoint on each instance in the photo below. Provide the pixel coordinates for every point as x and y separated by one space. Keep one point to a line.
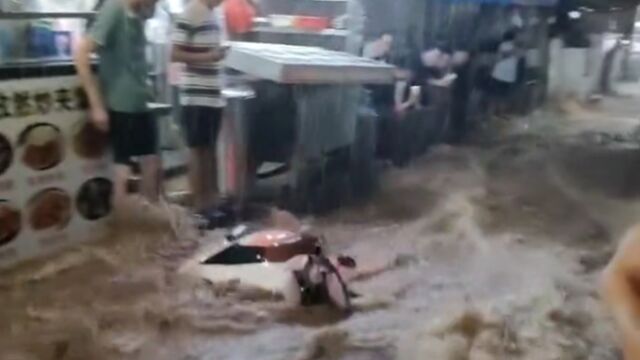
321 283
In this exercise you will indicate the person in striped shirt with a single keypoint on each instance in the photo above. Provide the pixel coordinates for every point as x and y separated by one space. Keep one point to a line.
197 44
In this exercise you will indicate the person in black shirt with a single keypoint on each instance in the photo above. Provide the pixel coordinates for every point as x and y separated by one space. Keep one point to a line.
461 96
433 68
423 68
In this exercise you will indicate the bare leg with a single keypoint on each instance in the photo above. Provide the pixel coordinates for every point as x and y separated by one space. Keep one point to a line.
246 173
211 176
120 186
150 177
234 151
197 178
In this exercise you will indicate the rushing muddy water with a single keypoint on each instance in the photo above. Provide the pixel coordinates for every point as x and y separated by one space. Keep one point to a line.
489 251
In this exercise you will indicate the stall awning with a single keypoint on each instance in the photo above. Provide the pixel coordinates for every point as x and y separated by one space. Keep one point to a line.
600 5
510 2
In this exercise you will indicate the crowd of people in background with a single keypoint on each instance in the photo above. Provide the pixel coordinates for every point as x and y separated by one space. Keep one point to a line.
439 93
458 85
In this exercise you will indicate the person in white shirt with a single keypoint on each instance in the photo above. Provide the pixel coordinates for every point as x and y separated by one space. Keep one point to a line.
197 43
380 48
504 74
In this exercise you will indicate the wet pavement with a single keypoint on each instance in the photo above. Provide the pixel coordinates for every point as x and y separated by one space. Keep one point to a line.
486 251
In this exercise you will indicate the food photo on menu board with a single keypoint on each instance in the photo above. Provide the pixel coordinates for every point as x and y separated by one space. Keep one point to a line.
49 209
10 222
42 146
88 141
94 199
6 154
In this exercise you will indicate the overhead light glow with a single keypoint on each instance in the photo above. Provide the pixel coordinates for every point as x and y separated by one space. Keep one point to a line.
175 6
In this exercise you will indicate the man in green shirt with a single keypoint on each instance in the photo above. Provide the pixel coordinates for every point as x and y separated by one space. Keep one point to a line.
118 97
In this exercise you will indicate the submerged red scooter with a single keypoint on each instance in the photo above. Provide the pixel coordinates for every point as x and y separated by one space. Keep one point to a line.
283 261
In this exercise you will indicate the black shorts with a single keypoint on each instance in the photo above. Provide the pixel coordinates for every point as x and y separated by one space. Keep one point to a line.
132 135
500 89
201 125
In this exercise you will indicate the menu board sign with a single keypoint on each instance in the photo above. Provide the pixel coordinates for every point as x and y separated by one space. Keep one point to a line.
54 168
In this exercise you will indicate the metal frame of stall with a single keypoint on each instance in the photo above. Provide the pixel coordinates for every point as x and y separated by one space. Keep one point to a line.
323 90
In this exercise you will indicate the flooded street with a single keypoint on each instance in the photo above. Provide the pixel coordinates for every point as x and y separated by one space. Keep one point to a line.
488 251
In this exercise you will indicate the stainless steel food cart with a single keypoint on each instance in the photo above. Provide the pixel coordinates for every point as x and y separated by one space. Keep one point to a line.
306 116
